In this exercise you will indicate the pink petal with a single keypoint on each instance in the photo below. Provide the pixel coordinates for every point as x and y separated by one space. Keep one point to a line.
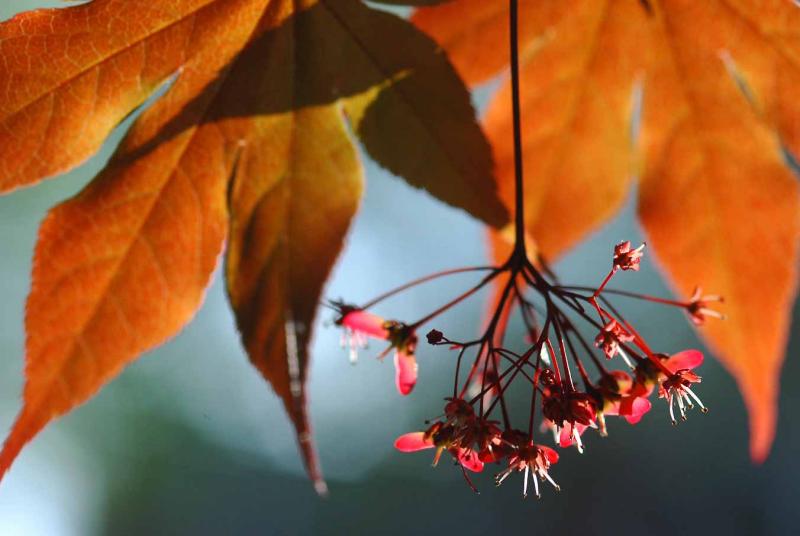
367 323
687 359
405 366
412 442
490 456
550 454
565 439
469 459
640 407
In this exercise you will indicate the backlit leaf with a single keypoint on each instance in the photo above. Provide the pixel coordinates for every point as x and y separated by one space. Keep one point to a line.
696 98
258 90
124 265
70 75
720 205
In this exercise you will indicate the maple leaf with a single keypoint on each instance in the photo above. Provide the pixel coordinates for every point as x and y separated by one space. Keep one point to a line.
249 144
698 100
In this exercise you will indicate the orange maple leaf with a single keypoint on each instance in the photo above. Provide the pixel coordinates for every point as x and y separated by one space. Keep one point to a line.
697 100
248 144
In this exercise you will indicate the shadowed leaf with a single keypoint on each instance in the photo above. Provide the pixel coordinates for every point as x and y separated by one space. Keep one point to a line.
286 234
577 79
297 186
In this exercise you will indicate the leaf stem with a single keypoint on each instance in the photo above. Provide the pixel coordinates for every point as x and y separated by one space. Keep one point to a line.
519 215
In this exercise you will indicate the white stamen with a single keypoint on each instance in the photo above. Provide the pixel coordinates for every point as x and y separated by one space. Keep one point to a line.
625 358
349 340
712 313
681 407
503 475
553 482
576 437
671 411
697 399
525 482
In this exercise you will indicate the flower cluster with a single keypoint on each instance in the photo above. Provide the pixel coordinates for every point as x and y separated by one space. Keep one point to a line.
477 426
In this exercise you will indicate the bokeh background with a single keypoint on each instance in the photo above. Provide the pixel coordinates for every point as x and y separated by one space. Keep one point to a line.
190 440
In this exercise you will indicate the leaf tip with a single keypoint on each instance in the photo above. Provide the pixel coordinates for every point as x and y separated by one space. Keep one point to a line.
761 401
762 434
20 434
305 439
321 487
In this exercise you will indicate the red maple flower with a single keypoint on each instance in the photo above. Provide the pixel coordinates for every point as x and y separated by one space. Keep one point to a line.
676 387
618 395
570 412
490 443
609 340
626 258
698 307
359 325
441 438
532 459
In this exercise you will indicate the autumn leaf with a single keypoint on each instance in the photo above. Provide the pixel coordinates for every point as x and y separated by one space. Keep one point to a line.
578 81
413 2
716 117
697 100
243 145
70 75
286 233
123 266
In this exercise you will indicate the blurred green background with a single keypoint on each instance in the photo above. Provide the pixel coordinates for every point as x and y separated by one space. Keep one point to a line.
190 440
